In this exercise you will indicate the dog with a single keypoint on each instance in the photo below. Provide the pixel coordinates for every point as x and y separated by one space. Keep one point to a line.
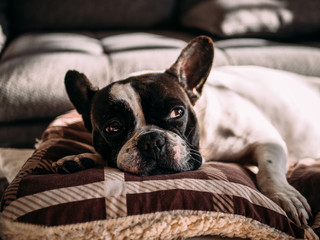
157 123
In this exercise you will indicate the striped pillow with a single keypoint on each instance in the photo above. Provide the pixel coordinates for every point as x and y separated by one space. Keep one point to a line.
217 199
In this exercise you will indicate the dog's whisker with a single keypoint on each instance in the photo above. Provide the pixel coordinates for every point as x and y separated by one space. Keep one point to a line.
196 155
191 130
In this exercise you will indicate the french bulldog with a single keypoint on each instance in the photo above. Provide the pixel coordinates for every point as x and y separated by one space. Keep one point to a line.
167 122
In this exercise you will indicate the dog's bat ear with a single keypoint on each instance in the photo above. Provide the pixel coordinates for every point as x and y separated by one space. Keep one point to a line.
193 65
80 91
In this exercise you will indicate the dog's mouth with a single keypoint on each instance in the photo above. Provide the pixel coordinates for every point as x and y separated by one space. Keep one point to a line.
150 167
158 152
162 170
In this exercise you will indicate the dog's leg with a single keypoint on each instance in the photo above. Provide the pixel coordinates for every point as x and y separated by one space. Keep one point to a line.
272 163
75 163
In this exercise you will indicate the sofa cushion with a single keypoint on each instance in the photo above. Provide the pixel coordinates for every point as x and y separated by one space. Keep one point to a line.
140 40
33 68
32 73
134 52
300 58
260 18
58 15
29 44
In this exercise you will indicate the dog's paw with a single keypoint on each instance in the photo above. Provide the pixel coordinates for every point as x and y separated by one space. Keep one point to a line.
74 163
292 202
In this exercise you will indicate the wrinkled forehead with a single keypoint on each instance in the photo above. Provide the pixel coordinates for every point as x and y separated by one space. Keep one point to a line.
143 96
147 89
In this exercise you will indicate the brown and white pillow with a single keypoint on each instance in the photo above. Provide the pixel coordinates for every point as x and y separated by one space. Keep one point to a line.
218 199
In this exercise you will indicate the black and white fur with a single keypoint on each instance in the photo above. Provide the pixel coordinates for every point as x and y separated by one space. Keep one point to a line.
158 123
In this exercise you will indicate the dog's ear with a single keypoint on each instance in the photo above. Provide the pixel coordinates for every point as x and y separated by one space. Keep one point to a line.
80 91
193 66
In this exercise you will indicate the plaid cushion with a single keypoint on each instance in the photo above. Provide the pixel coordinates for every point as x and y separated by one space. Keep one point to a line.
217 199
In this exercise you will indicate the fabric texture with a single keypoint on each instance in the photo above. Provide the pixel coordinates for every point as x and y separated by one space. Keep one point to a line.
32 73
217 199
34 65
301 59
258 18
134 52
59 15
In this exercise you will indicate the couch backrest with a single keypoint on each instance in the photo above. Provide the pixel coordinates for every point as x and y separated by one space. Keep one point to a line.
53 15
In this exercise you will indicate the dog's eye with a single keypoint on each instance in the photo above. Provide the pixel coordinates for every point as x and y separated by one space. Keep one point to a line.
114 127
176 113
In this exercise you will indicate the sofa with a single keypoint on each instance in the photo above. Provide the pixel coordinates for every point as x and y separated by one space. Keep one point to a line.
109 40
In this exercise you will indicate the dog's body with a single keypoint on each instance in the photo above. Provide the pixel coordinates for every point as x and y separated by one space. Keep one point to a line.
271 118
271 106
147 124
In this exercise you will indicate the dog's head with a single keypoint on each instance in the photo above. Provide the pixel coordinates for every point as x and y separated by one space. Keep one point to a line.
146 124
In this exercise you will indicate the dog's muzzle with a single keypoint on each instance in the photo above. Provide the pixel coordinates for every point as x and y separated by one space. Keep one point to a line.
155 151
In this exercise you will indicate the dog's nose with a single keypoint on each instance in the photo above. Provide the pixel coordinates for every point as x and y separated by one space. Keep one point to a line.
152 144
